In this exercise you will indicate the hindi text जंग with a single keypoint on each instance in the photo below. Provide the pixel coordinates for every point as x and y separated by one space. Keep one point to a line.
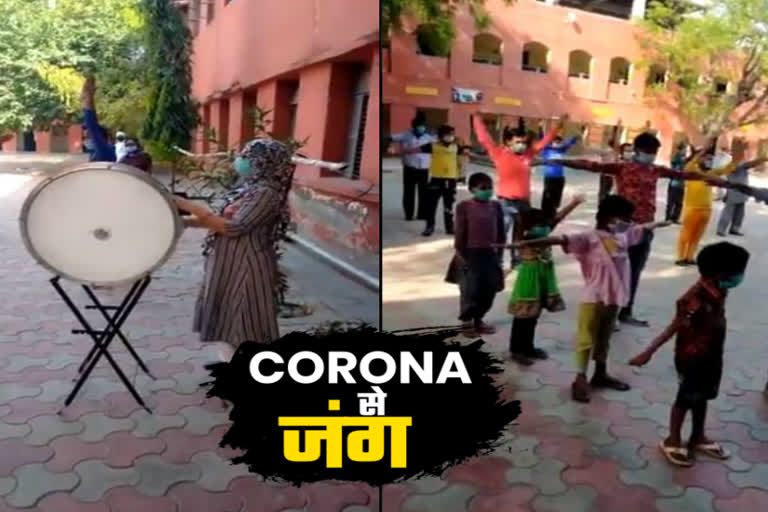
357 404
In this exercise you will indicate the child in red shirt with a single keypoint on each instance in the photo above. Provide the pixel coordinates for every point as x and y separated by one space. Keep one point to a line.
700 327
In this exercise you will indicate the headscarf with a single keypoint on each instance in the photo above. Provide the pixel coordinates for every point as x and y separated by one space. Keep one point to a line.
272 168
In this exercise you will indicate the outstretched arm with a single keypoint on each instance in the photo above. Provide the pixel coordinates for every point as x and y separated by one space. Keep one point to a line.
643 357
583 165
538 242
568 209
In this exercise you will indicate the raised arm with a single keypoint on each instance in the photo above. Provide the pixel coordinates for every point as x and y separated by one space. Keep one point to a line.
568 209
483 137
570 142
91 122
545 141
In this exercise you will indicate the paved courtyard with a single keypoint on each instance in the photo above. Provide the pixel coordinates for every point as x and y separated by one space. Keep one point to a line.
105 453
603 456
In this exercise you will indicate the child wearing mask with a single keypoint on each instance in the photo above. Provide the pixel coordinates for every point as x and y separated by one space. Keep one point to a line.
700 327
604 258
697 203
476 266
443 176
512 160
536 285
636 181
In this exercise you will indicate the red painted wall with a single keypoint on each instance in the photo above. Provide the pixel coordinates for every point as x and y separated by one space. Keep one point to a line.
539 95
297 63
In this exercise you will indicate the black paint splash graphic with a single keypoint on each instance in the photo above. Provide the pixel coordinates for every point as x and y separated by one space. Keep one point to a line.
451 422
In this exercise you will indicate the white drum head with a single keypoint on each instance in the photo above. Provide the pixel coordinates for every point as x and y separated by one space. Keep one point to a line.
100 223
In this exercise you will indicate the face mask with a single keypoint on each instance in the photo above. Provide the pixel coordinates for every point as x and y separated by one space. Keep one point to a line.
539 232
482 194
732 282
420 130
449 139
518 147
243 167
644 158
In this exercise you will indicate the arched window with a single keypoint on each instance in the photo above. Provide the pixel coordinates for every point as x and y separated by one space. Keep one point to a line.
430 41
579 64
620 68
486 49
657 75
535 57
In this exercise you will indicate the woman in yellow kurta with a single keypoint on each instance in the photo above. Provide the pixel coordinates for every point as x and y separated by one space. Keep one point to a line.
697 204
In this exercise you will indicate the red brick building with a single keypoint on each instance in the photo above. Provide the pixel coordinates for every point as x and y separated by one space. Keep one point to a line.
537 60
314 65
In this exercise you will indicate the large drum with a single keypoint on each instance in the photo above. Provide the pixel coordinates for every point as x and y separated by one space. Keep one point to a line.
101 224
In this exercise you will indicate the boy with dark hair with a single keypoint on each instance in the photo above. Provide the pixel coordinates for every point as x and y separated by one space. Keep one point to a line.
636 181
443 176
476 266
700 326
512 160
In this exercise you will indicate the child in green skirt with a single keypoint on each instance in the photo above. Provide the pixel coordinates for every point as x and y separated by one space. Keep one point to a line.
536 285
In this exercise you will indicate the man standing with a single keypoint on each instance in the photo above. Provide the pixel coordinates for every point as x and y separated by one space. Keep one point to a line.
415 166
512 160
96 143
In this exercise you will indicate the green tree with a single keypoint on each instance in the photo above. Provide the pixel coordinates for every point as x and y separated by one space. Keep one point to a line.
172 114
46 51
715 60
437 19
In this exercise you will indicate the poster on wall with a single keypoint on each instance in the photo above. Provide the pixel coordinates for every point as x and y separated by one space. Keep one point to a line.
462 95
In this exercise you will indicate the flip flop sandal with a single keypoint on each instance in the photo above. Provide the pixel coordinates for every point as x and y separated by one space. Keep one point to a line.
714 450
677 456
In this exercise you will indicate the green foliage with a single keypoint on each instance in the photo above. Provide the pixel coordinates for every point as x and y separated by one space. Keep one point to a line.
725 41
171 114
436 16
45 52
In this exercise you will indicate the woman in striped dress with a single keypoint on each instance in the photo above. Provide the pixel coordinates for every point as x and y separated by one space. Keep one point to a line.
237 299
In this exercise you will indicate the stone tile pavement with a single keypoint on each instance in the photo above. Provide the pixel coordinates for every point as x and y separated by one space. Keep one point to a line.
105 453
602 456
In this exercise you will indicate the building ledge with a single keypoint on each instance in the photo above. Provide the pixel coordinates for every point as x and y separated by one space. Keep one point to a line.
359 190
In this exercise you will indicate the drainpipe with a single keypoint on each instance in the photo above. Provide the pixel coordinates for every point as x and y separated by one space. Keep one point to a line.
341 266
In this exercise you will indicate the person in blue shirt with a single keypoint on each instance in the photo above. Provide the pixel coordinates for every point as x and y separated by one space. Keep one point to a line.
554 178
96 136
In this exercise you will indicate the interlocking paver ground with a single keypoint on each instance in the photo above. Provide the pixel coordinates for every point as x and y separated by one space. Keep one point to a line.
104 453
604 455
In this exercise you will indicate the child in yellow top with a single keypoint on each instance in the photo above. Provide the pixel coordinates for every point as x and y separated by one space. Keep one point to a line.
697 204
